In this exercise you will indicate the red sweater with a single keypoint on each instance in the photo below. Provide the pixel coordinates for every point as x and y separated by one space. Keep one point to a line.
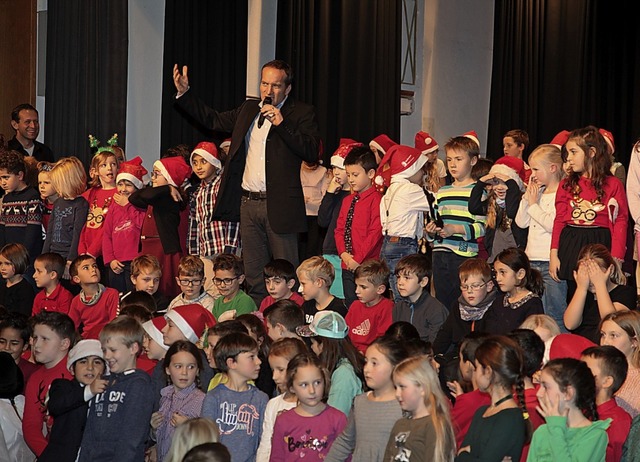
366 323
91 235
269 300
463 410
59 301
612 212
617 431
366 228
94 317
35 411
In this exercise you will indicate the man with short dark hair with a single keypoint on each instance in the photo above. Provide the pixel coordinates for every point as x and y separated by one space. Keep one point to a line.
24 120
261 185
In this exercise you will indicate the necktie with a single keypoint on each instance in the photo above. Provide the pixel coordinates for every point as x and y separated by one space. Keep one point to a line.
347 227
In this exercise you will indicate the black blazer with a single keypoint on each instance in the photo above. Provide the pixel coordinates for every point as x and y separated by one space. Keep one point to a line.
40 151
294 140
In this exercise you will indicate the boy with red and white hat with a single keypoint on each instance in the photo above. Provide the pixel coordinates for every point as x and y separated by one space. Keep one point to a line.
122 226
402 206
505 182
209 237
329 209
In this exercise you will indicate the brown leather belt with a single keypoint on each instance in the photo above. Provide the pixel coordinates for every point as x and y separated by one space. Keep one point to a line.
255 196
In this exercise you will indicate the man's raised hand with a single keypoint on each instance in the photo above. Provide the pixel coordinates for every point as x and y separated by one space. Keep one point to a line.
181 81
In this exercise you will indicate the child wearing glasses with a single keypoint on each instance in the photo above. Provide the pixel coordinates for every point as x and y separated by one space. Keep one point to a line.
191 281
229 276
467 312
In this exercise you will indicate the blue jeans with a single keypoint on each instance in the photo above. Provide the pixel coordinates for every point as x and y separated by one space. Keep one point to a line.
393 249
554 299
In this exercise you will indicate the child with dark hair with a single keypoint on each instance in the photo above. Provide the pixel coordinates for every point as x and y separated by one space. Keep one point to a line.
49 268
468 398
15 334
567 397
282 318
53 336
329 340
609 367
498 371
212 337
16 292
532 354
21 215
229 276
139 298
280 279
417 306
521 287
181 400
256 329
237 400
358 231
96 304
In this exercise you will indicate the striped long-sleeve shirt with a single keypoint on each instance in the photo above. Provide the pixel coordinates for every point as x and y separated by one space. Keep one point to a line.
209 237
453 207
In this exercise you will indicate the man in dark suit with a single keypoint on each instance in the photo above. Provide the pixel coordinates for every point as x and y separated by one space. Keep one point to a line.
261 181
24 120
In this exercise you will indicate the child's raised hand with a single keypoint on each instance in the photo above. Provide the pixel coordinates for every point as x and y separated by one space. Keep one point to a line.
156 419
455 388
488 178
99 385
334 185
582 276
177 419
180 80
432 228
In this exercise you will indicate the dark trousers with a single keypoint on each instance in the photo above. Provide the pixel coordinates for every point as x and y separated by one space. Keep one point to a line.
445 276
349 287
260 244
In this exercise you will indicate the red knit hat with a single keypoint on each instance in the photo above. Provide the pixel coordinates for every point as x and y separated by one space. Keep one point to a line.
473 136
511 167
192 320
340 154
608 137
209 152
401 162
561 138
154 327
425 143
174 169
382 143
133 171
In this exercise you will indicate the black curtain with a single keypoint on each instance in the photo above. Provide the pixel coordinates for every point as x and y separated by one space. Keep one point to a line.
346 61
210 37
565 64
86 85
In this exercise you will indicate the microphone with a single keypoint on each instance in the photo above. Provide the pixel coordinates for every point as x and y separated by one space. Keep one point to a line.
267 100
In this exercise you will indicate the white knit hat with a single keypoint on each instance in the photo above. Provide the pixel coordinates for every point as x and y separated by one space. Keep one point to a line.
84 349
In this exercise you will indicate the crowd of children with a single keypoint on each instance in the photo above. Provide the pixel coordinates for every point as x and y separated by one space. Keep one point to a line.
477 311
